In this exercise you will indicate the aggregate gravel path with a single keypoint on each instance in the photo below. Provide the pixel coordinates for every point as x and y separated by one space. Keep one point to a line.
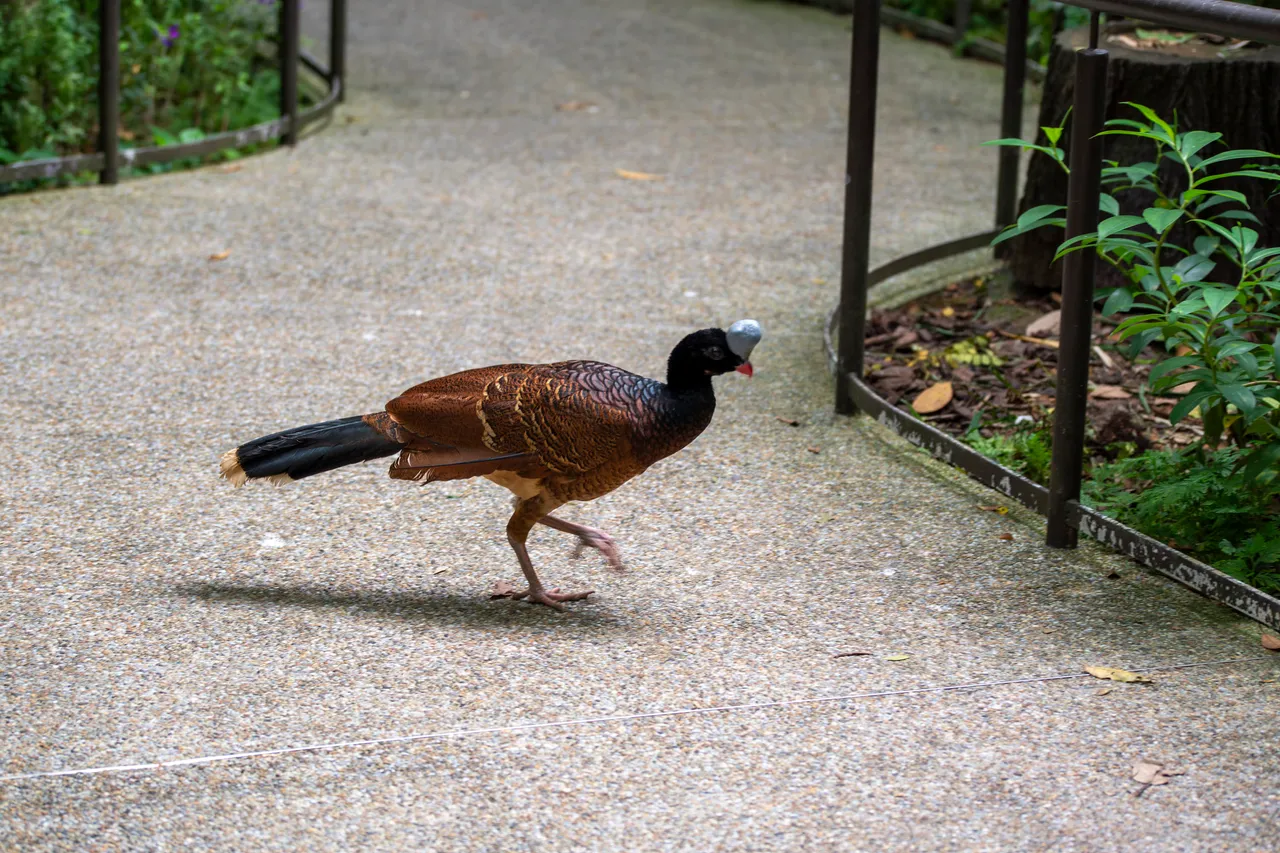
451 216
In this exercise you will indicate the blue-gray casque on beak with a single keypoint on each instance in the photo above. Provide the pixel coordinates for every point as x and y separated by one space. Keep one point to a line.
743 337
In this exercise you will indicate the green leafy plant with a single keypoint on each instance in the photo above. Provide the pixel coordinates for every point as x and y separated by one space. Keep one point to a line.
1027 450
1222 335
186 67
1204 506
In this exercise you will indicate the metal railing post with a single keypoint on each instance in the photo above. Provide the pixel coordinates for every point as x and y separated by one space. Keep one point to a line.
1015 78
289 48
1087 117
338 47
859 167
964 13
109 90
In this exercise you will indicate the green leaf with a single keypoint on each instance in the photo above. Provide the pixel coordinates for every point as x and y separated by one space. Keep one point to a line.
1053 134
1217 299
1190 143
1037 213
1055 153
1171 364
1246 173
1144 169
1166 382
1108 204
1114 224
1151 116
1193 268
1120 300
1192 195
1188 306
1264 460
1189 402
1126 122
1234 348
1239 396
1239 214
1077 242
1159 220
1230 235
1237 154
1206 245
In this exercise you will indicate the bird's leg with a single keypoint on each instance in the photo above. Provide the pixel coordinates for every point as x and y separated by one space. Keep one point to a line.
527 514
588 537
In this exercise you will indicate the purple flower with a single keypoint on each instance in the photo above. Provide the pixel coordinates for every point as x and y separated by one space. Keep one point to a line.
170 37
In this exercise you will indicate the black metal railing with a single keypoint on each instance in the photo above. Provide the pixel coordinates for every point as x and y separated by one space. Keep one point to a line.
109 157
1060 502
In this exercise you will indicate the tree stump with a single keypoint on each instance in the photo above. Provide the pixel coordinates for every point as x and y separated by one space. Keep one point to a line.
1235 92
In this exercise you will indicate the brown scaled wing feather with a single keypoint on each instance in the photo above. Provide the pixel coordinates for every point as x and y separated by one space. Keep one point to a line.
556 423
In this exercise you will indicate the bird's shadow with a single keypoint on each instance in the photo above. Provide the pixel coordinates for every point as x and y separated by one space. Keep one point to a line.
470 611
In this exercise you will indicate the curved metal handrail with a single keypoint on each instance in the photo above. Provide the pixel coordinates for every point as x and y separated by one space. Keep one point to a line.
1060 502
1152 553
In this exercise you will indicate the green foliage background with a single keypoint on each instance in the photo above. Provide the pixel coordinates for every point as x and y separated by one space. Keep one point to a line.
187 66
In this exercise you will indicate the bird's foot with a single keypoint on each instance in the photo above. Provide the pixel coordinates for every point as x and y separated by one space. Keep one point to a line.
537 595
591 537
551 597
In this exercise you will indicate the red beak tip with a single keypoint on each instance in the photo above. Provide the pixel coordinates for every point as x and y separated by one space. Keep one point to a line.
745 369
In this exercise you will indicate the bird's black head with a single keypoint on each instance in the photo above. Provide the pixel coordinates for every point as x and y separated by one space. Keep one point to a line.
712 352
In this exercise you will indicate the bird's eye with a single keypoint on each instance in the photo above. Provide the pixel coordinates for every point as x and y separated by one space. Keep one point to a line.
714 353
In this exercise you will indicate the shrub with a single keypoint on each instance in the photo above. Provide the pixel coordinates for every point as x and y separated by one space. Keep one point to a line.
185 65
1220 337
1203 506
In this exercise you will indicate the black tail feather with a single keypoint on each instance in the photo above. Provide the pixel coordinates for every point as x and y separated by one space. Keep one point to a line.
306 450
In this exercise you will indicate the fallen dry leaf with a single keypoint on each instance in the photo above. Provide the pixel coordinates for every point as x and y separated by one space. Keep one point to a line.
1103 691
948 311
1047 325
1122 675
230 167
933 399
898 657
439 571
1110 392
1271 642
1003 510
787 421
637 176
220 256
1107 362
1151 773
502 589
814 449
851 655
1007 537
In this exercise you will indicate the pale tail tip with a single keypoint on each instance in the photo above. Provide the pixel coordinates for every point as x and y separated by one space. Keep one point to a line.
231 469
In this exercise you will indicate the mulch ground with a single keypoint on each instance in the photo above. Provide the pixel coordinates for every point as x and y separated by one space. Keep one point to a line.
999 356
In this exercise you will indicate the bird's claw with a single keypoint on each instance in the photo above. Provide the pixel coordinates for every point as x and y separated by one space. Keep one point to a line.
603 543
550 597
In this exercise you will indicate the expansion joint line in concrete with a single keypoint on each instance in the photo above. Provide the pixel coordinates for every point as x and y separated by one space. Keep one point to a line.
586 721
